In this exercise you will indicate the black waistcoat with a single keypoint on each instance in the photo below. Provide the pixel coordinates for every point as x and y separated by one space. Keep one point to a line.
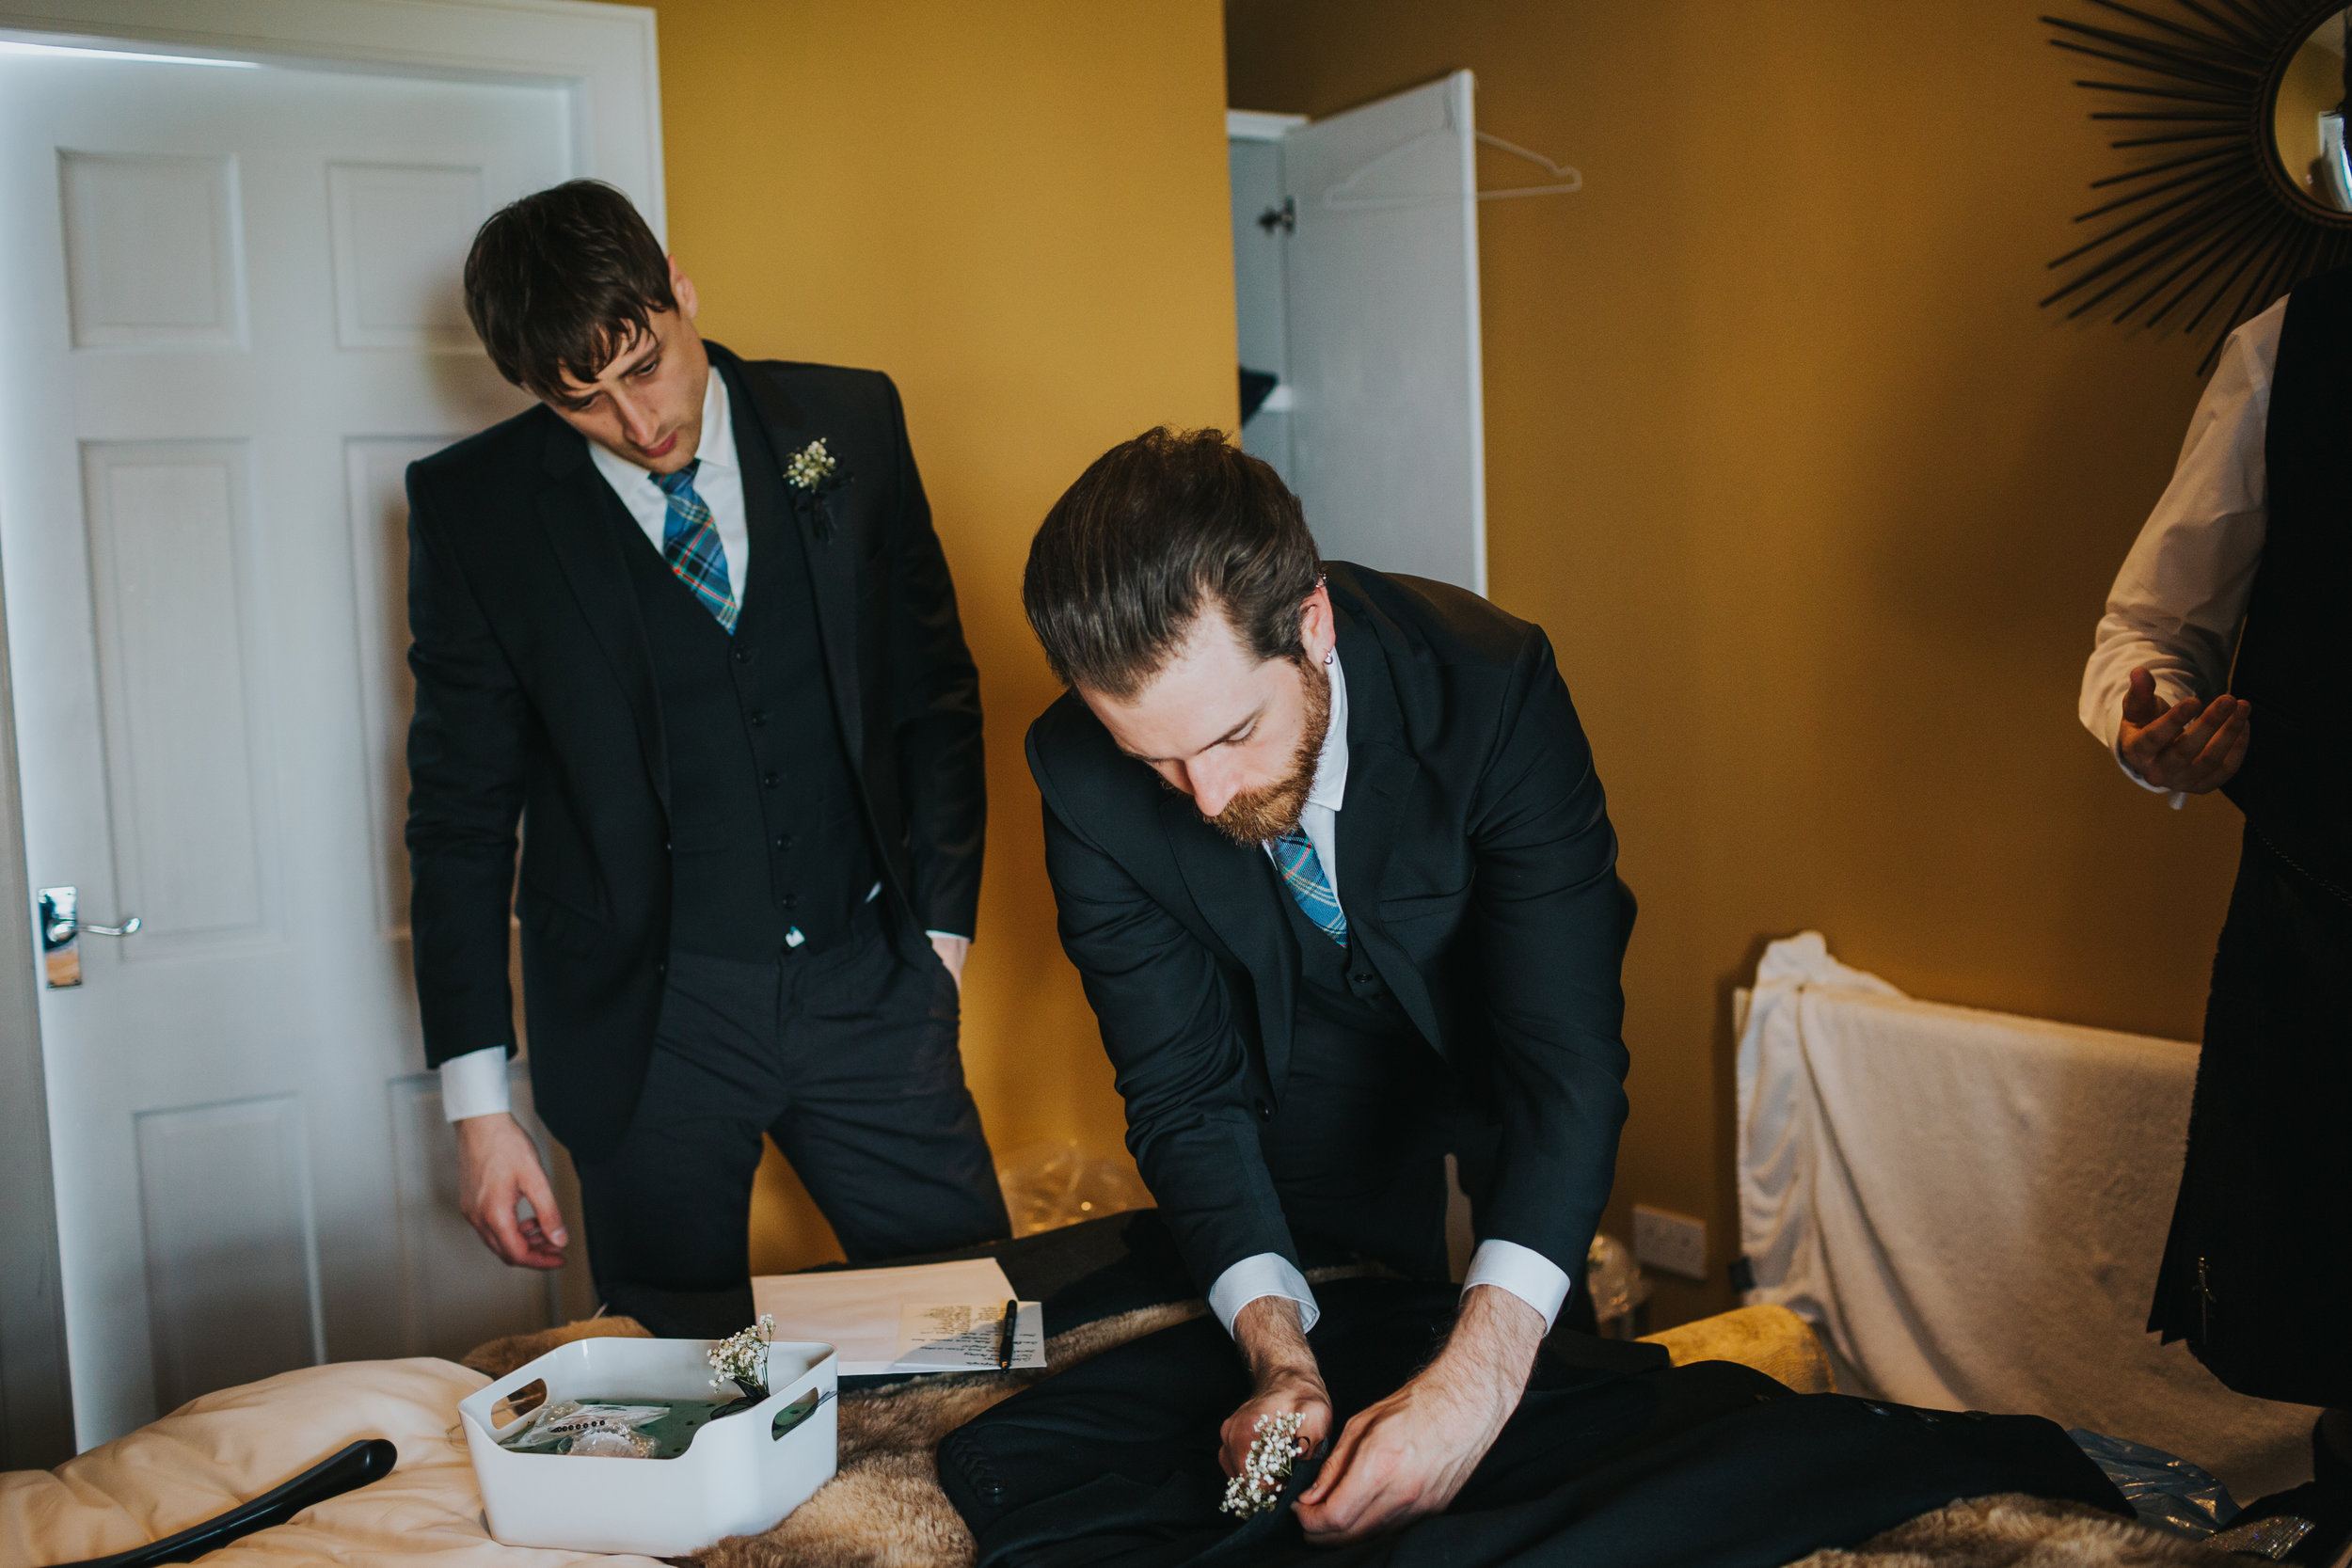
1339 985
766 838
2289 661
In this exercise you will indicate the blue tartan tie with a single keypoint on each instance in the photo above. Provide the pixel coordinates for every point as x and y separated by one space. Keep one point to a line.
691 544
1302 873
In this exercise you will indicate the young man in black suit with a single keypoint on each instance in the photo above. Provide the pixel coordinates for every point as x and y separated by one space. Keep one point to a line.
1334 864
688 623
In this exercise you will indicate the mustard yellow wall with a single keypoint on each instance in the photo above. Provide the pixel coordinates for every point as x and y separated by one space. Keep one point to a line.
1018 211
1819 508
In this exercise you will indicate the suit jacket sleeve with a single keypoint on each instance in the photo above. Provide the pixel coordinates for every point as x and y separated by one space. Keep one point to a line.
935 711
1181 1064
1548 928
466 754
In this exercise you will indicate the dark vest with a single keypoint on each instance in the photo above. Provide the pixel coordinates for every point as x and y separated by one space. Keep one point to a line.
1357 1061
766 838
2299 764
1339 985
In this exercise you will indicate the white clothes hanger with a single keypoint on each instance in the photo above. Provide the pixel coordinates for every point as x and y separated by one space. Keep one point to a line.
1566 181
1570 180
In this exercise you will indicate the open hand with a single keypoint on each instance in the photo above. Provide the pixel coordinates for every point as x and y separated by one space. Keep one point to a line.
498 1165
2192 746
1410 1455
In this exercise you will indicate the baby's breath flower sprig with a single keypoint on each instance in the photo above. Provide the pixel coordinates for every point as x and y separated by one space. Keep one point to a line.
744 1357
1273 1450
810 467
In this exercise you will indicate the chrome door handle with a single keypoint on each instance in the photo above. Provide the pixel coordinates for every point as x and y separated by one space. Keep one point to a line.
61 928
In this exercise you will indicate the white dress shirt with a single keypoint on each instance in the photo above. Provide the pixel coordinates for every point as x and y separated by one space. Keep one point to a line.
2179 603
1527 1274
718 480
475 1084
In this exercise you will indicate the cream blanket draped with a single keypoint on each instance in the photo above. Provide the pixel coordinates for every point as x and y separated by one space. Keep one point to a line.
1970 1206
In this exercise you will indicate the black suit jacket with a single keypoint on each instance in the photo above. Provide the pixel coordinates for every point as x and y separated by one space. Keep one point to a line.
1478 870
536 701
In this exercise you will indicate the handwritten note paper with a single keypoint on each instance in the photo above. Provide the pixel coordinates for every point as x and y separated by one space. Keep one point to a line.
862 1312
936 1336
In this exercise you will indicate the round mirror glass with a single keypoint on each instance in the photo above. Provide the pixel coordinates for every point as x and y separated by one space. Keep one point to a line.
2307 120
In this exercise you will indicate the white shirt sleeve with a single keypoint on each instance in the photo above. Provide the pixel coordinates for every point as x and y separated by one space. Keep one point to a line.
1527 1274
475 1084
2179 602
1268 1274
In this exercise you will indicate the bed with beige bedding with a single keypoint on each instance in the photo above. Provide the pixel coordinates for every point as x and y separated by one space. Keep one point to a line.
884 1507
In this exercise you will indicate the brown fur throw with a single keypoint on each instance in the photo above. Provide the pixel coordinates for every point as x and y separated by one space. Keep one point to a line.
2012 1530
501 1356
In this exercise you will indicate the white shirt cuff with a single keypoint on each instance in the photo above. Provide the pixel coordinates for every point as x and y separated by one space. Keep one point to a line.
1268 1274
475 1084
2177 798
957 935
1527 1274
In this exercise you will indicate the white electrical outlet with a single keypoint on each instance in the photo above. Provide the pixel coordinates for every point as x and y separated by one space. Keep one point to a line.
1673 1243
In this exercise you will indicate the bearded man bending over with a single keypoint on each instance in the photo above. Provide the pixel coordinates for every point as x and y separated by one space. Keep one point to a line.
1334 864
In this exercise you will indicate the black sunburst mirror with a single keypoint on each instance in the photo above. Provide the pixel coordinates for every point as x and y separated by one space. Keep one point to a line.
2239 186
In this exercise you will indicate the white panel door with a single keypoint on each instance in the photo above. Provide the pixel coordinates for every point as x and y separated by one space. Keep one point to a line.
229 317
1387 444
1261 331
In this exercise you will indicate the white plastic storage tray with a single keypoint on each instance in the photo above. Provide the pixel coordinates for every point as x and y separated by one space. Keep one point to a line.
735 1476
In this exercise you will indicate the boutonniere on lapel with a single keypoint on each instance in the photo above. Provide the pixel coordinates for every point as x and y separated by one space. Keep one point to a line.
814 475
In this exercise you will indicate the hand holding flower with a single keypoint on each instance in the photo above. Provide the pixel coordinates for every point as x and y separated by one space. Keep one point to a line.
1287 1382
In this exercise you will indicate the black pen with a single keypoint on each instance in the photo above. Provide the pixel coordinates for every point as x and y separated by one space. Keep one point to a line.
1003 1337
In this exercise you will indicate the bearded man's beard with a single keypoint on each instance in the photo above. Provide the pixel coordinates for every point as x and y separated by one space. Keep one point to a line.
1272 810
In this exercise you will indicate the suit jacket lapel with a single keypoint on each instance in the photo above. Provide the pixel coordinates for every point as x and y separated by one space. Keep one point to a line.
765 409
572 509
1381 776
1230 885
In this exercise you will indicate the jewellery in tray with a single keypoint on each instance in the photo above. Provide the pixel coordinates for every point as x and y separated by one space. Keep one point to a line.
611 1439
1272 1452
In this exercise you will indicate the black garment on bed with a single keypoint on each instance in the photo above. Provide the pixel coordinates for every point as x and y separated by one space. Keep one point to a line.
1614 1459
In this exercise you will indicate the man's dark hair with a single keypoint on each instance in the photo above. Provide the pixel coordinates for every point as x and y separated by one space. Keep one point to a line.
561 281
1155 531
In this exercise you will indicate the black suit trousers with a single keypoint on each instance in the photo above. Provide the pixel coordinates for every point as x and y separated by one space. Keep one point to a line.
1613 1460
847 1058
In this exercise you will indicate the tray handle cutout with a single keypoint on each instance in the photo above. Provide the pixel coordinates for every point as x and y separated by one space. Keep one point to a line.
518 1403
794 1414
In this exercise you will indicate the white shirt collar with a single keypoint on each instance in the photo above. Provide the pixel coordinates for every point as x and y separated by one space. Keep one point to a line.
1331 785
716 451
